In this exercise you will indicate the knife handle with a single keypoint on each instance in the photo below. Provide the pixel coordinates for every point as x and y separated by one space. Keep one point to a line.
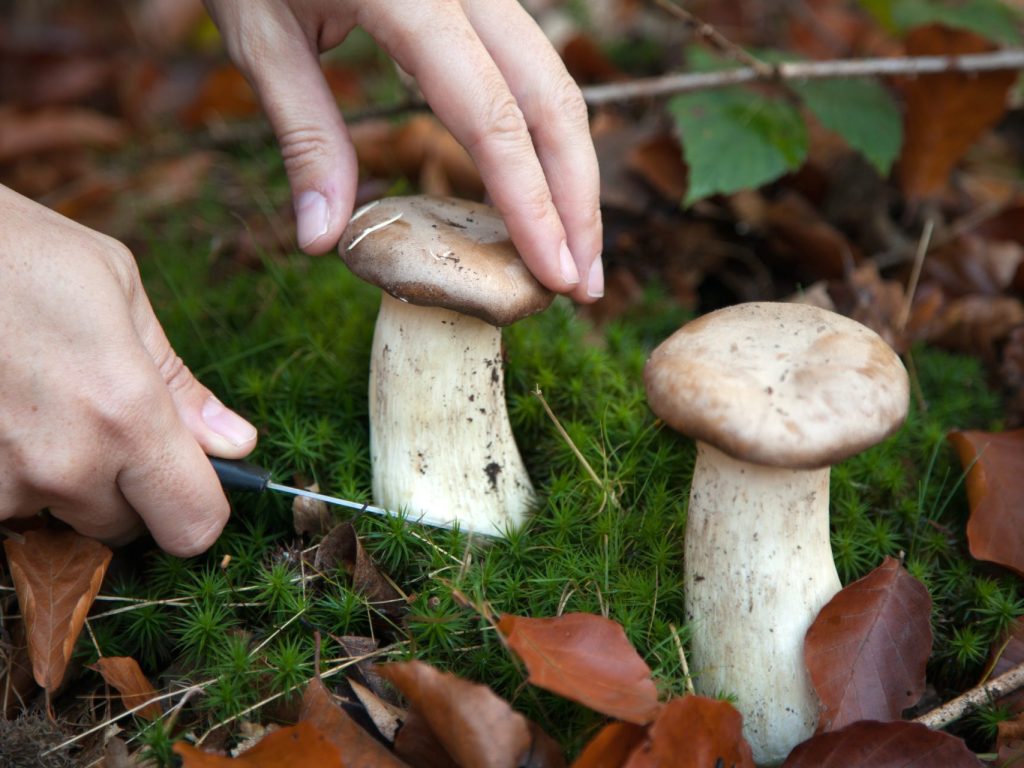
237 475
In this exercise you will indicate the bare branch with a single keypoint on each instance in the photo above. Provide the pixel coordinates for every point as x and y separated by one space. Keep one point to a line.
667 85
956 708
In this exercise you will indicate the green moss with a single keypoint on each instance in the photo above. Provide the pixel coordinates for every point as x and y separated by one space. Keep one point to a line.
287 344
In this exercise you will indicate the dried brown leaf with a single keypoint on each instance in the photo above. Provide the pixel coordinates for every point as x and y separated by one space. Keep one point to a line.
342 548
611 747
866 651
586 658
56 575
298 745
25 132
357 748
694 732
473 724
995 483
946 113
871 744
123 673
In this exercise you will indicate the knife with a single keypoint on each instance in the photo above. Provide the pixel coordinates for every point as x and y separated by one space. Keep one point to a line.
238 475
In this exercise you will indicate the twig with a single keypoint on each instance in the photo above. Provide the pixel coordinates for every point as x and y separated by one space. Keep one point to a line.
682 660
666 85
719 41
915 274
953 710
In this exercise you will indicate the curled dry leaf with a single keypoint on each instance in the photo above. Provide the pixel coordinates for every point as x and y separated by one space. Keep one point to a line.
694 732
123 674
866 651
946 113
56 128
871 744
994 463
611 747
588 659
357 748
310 516
299 745
57 575
342 548
473 724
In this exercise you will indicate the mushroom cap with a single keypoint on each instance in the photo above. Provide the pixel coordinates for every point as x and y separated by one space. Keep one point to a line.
784 385
443 252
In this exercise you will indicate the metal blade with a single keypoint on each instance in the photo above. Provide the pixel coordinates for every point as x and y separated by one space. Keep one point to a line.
328 499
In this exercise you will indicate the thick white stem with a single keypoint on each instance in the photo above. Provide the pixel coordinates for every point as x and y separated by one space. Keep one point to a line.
758 569
440 441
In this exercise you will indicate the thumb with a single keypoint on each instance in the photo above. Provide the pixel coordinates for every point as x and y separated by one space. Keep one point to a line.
315 145
218 430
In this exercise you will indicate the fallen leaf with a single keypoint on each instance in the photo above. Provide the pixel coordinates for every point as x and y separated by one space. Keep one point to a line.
123 673
25 132
342 548
586 658
56 575
310 516
976 325
694 732
18 681
386 717
474 725
356 747
866 651
946 113
658 160
871 744
994 462
611 747
417 743
1010 742
298 745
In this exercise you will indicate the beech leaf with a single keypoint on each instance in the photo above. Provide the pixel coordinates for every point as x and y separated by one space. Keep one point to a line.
946 113
866 651
356 747
586 658
995 483
297 745
871 744
611 747
123 674
694 732
56 575
473 724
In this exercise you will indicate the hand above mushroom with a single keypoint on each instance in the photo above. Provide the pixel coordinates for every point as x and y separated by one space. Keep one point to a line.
774 395
488 73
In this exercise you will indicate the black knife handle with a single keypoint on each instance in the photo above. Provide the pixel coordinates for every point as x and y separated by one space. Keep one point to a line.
237 475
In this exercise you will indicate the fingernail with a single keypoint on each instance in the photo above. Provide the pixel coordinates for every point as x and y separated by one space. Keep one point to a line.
311 217
569 272
227 423
595 281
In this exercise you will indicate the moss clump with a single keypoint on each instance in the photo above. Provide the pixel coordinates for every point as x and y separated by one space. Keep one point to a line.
287 344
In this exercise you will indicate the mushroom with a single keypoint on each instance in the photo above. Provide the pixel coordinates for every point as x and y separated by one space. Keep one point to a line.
774 394
441 444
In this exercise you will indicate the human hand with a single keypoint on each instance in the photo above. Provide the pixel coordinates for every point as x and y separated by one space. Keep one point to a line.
488 73
99 419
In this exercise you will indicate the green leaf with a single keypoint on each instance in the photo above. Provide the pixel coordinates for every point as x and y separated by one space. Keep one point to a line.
862 112
734 139
991 19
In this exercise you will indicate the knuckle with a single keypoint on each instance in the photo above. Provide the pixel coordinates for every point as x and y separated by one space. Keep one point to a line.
564 103
503 121
199 536
122 265
173 370
303 147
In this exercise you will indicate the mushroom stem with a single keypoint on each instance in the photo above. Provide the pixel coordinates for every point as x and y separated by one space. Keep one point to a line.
441 444
758 569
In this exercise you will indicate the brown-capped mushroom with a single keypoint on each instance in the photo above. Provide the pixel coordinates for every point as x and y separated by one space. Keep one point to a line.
774 394
440 440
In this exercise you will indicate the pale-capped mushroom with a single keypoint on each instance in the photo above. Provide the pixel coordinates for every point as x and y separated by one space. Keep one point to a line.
774 394
440 441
